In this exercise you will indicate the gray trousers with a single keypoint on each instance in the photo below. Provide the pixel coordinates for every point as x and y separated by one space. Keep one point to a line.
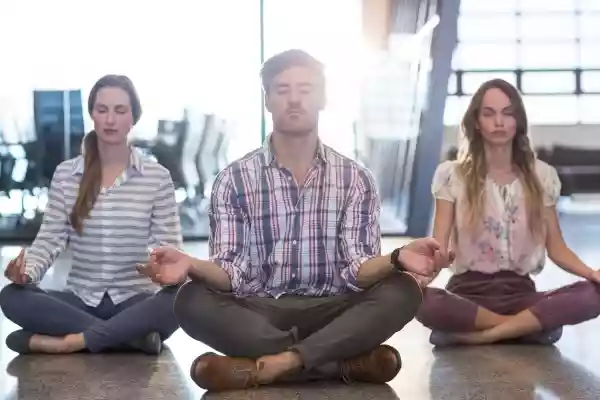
321 329
107 326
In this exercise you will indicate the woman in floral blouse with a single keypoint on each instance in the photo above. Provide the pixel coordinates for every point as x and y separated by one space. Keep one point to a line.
496 204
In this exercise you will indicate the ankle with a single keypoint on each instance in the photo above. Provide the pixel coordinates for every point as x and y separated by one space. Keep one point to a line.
72 342
293 360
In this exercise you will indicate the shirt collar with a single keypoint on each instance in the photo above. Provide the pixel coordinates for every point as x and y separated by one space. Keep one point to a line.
135 162
269 156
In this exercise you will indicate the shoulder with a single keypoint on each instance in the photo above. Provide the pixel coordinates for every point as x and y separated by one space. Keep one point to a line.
244 169
545 171
68 168
154 168
446 172
353 171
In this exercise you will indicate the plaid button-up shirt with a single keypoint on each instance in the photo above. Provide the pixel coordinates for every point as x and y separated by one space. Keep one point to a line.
274 237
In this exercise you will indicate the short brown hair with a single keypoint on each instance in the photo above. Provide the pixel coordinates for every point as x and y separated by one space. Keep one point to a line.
286 60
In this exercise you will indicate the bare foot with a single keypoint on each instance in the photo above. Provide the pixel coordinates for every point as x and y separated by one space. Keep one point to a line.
473 338
275 366
57 345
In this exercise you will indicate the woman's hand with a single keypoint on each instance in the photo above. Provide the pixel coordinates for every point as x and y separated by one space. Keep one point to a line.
15 270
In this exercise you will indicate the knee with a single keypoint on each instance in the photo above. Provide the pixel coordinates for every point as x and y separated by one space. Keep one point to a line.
588 299
431 307
400 292
189 300
9 297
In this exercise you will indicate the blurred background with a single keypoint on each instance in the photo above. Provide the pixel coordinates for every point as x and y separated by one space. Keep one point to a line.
400 73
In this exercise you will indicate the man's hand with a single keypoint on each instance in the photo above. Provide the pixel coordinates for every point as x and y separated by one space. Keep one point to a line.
424 257
15 270
167 266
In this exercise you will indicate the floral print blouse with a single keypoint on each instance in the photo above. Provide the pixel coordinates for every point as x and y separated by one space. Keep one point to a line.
504 242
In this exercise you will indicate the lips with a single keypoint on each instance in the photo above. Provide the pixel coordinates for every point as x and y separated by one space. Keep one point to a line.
110 131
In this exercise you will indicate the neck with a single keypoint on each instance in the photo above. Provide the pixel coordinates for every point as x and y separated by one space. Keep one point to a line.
114 155
294 151
498 158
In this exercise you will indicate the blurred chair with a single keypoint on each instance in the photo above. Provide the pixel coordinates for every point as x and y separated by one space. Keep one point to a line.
206 159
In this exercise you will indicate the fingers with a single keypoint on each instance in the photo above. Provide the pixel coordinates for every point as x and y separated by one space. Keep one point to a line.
151 270
432 243
159 252
20 262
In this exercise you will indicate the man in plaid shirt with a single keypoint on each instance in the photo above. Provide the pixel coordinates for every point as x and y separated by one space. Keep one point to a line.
296 286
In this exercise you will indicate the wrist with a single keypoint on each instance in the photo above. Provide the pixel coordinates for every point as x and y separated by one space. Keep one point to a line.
396 259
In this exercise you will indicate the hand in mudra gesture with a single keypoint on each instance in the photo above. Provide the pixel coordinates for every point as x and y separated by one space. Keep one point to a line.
15 270
166 266
425 258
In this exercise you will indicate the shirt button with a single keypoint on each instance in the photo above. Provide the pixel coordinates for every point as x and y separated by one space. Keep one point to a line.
293 276
289 178
294 242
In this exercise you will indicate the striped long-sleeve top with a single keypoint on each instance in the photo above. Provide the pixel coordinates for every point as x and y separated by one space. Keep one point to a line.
138 211
274 236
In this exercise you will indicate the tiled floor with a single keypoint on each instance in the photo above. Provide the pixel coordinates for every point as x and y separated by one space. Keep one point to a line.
571 370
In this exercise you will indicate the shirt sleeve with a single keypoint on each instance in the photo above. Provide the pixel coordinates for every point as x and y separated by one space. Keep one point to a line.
165 225
52 236
442 186
229 229
360 230
550 184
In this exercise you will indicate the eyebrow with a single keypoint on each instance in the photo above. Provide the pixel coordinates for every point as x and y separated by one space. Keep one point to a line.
115 106
487 108
301 84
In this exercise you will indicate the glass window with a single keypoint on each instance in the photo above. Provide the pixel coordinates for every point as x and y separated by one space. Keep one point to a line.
472 80
336 48
548 27
477 28
452 84
589 54
590 82
548 55
548 5
588 5
588 109
479 6
549 110
589 26
548 82
455 109
485 56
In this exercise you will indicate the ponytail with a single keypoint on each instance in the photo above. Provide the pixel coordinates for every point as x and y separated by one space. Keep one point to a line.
89 187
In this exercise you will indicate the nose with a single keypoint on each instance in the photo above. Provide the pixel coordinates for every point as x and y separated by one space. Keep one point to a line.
110 118
499 120
294 97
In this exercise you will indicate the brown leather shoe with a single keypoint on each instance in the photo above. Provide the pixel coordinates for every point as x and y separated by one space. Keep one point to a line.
218 373
379 365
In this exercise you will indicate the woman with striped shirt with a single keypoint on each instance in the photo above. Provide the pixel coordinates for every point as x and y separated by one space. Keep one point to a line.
108 205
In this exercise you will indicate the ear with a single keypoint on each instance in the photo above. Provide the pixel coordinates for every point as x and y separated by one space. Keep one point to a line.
322 99
267 101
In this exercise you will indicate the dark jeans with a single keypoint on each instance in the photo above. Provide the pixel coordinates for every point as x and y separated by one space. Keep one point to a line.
321 329
107 326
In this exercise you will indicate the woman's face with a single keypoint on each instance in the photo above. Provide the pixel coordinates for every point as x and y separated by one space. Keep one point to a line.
112 115
496 120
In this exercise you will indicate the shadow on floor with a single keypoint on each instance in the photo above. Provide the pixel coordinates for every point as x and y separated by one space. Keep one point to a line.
115 376
309 391
519 373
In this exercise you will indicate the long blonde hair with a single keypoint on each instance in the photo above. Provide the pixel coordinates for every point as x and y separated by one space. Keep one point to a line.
472 163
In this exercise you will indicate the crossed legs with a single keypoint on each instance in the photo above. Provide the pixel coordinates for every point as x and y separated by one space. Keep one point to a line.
294 334
511 310
59 322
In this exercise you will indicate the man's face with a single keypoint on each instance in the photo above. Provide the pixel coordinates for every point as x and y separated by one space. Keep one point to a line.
294 99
